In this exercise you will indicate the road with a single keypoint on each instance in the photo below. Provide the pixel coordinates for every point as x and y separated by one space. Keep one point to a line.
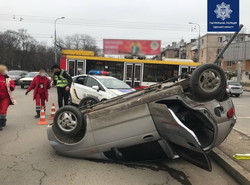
242 107
27 159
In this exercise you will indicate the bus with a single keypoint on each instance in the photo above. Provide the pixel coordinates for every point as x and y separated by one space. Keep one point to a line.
136 73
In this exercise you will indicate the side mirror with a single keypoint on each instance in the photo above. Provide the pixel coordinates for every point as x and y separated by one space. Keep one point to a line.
95 87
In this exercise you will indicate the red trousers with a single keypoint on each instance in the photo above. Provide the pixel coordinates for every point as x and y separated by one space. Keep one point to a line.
4 104
40 101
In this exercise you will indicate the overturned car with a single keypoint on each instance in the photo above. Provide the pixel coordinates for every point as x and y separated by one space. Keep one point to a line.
185 119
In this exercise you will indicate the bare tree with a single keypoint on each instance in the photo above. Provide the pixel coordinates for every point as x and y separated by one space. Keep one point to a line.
18 50
78 42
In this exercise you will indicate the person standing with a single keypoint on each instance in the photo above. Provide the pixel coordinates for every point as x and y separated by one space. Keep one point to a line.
40 84
6 87
63 81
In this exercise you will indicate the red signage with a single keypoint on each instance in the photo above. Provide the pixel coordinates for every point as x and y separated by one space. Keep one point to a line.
131 47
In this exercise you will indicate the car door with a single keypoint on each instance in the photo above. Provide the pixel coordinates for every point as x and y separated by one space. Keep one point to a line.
90 82
79 87
183 140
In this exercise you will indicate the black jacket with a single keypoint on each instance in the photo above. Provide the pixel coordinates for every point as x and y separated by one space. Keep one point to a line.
65 75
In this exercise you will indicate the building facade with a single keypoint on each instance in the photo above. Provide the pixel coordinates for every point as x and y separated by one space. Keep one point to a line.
238 55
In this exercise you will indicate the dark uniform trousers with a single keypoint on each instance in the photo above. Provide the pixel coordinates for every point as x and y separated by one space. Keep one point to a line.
63 96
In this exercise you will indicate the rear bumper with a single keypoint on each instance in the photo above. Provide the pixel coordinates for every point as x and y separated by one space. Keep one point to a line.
224 129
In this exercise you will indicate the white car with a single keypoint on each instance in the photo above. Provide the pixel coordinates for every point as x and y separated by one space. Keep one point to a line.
28 79
91 89
234 88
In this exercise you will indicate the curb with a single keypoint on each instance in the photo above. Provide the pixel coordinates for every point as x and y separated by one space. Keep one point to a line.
235 170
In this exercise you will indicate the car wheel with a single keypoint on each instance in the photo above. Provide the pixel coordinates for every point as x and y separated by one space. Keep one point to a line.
88 102
22 86
68 120
208 82
237 95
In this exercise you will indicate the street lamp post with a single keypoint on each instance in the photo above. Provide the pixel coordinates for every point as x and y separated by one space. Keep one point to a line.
199 46
55 48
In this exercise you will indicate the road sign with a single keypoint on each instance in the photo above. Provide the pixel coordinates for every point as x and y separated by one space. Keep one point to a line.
223 15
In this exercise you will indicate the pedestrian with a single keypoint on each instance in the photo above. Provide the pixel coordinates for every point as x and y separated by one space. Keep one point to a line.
6 98
41 83
63 81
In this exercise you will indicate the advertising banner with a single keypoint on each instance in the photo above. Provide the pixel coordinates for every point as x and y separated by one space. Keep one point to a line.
131 47
223 15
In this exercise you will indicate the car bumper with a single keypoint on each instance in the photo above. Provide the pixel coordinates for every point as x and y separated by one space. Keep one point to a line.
224 129
24 83
234 91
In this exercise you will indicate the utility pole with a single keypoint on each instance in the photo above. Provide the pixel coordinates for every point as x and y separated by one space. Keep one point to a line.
55 47
238 71
199 38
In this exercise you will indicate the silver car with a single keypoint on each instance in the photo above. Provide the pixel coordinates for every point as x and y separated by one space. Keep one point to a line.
184 120
234 88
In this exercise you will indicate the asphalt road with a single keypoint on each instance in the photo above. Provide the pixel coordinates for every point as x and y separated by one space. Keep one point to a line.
27 159
242 108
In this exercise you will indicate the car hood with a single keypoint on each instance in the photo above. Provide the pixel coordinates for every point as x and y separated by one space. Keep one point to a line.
27 78
235 86
121 91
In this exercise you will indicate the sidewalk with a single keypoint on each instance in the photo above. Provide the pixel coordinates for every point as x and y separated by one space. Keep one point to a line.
246 88
235 143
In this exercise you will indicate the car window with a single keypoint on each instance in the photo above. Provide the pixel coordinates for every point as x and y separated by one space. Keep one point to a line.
32 74
80 80
15 73
112 83
91 82
234 83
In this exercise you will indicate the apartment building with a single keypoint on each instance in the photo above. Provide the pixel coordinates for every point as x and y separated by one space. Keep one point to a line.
238 53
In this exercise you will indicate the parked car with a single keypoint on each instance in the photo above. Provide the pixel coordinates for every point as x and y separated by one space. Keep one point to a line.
187 119
234 88
90 89
15 75
28 79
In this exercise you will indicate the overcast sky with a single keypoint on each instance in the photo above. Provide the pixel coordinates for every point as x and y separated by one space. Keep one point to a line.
165 20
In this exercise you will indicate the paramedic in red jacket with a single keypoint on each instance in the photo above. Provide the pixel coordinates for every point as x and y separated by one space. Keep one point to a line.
6 99
40 84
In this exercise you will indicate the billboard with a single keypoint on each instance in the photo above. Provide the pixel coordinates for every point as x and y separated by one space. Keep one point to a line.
223 15
131 47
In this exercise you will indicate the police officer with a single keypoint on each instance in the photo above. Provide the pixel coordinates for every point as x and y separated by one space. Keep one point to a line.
63 82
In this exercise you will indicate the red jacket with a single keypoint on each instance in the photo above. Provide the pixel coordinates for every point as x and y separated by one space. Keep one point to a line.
6 86
35 84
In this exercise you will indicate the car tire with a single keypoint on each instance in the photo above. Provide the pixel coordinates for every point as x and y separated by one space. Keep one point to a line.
69 120
237 95
208 82
22 86
87 102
